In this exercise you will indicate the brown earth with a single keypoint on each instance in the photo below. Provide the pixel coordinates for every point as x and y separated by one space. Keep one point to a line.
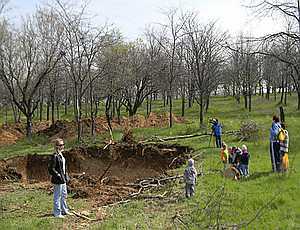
102 175
67 129
9 134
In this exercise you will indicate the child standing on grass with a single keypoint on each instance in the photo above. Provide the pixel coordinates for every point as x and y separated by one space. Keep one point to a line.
244 161
224 155
190 178
284 148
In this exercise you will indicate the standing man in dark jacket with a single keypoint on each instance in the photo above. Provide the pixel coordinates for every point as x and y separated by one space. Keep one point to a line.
274 144
217 131
59 178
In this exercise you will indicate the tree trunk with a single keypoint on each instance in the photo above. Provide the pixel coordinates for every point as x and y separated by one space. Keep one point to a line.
86 107
29 127
66 98
245 100
6 114
201 116
57 110
150 104
92 113
48 110
268 92
182 105
282 90
41 107
78 111
79 125
15 112
113 107
147 102
285 94
170 111
233 88
250 100
52 109
298 93
282 119
107 112
207 104
119 115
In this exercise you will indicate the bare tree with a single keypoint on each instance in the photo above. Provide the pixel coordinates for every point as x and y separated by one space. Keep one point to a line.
168 38
290 12
82 44
27 57
204 57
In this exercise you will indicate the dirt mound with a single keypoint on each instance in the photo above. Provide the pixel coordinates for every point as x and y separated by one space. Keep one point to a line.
9 135
8 173
152 120
57 129
104 175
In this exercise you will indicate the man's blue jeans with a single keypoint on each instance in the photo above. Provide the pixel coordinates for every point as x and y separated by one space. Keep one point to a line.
218 141
59 199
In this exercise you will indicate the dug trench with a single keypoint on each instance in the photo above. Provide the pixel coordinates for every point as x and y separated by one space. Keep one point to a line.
103 174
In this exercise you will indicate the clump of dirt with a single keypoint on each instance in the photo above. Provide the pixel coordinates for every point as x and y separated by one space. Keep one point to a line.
104 175
8 173
128 136
57 129
10 134
152 120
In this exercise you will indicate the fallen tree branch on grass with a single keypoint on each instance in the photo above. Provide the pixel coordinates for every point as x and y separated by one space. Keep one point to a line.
83 216
163 139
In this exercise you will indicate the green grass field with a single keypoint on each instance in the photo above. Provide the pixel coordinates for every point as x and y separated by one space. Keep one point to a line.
265 200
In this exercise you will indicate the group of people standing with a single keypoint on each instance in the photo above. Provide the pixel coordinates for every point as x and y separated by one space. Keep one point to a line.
279 145
236 158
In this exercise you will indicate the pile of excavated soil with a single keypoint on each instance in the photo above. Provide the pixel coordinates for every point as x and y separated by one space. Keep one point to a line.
67 129
103 175
152 120
9 135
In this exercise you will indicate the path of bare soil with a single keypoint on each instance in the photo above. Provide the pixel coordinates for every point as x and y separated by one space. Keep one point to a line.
101 175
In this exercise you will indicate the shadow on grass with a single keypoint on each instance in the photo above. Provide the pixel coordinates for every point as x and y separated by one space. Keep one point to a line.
257 175
45 215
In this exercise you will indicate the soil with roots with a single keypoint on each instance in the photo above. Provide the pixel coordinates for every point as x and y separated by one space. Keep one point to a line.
102 174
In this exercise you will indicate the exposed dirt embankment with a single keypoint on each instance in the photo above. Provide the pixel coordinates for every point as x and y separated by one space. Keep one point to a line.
103 175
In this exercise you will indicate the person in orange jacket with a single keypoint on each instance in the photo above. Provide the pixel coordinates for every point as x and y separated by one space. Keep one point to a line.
224 154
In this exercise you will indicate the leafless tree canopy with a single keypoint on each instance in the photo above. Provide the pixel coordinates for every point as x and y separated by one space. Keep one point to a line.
59 58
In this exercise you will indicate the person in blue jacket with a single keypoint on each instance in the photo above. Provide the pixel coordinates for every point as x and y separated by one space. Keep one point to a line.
274 144
217 132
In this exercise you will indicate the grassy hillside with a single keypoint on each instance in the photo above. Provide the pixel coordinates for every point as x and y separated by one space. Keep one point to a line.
265 200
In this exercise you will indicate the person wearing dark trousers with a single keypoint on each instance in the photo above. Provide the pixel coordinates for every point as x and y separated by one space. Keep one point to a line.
274 144
217 132
59 178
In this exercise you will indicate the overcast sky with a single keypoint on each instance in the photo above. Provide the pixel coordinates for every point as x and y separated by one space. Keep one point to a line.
132 16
